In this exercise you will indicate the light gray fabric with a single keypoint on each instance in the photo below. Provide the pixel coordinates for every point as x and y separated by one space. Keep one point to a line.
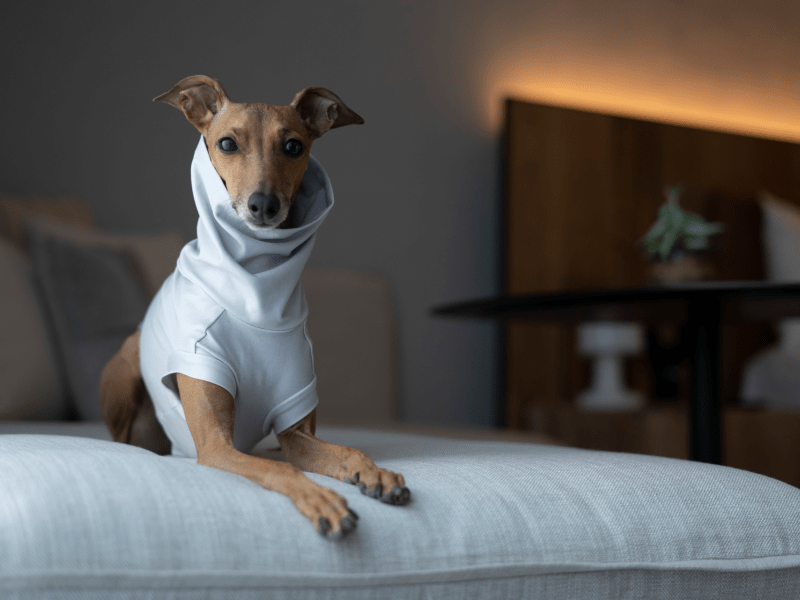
487 520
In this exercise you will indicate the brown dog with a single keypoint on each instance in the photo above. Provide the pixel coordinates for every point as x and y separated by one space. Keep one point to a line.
261 153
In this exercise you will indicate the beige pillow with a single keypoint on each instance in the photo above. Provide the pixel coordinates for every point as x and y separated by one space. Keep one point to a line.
153 256
32 387
352 329
97 286
16 210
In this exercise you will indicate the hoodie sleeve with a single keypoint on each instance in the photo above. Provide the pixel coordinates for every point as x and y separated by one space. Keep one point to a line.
199 366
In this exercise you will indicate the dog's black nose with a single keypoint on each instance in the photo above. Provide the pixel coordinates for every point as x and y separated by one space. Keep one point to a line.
263 207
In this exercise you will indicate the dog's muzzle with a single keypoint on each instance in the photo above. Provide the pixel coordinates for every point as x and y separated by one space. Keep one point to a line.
263 207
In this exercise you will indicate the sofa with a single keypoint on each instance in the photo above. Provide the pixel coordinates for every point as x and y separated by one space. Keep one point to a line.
493 514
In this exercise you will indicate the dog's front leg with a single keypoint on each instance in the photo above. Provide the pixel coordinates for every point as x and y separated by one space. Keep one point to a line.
306 452
209 413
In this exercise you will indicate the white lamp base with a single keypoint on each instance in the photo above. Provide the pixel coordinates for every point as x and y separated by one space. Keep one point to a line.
608 342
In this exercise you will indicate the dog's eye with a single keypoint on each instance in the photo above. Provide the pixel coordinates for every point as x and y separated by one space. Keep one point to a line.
227 145
293 147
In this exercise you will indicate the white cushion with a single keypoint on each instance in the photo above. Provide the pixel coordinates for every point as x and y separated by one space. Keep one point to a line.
89 518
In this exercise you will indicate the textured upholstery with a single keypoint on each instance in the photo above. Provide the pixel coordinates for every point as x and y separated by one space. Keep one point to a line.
32 385
83 518
95 301
151 256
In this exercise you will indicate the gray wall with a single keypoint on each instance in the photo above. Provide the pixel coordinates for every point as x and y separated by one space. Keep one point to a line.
417 186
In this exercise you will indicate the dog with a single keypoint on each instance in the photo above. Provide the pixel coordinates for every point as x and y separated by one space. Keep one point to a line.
260 197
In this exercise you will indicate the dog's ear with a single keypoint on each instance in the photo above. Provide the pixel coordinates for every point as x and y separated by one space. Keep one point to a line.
322 110
199 97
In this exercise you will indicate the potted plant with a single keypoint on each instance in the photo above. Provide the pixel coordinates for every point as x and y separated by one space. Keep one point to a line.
676 243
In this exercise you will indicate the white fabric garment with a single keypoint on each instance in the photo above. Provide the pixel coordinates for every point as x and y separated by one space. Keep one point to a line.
233 313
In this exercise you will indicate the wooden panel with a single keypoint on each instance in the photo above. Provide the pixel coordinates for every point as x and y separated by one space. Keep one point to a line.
765 441
538 361
568 224
581 189
738 256
660 431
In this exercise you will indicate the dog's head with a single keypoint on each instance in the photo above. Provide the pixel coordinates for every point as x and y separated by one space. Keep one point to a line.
260 151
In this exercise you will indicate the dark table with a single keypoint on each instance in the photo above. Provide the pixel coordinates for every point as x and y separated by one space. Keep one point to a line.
701 306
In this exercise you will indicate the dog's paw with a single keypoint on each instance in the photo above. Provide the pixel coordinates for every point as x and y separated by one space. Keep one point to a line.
327 511
374 484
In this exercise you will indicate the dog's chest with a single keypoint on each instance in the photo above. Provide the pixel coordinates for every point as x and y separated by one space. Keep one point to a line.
270 366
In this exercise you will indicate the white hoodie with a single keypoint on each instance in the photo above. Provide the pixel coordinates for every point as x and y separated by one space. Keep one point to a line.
233 313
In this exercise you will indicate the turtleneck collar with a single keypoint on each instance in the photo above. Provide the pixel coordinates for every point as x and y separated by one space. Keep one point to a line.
253 275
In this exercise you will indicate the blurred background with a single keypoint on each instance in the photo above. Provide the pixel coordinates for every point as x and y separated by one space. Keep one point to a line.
419 187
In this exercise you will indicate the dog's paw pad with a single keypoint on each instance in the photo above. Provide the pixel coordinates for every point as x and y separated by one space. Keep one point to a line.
324 526
347 524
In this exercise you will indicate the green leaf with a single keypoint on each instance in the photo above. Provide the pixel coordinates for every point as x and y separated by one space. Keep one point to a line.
665 248
695 242
655 231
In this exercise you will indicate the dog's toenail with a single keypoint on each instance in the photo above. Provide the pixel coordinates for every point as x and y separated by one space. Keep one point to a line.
324 526
390 497
348 523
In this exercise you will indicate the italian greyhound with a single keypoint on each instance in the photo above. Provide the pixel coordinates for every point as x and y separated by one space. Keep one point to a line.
261 153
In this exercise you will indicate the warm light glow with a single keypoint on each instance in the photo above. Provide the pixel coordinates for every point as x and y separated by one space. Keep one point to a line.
661 93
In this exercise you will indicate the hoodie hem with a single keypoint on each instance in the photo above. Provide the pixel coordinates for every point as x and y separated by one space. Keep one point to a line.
290 411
